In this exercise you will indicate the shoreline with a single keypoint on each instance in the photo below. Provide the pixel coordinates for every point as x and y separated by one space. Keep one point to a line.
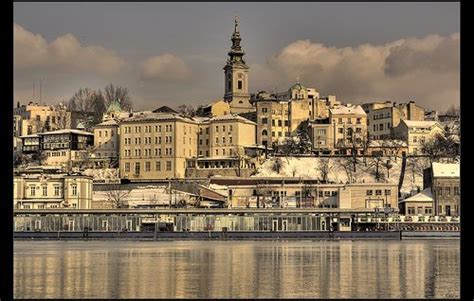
241 235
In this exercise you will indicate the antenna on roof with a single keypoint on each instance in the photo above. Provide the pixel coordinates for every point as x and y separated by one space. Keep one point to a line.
41 90
33 90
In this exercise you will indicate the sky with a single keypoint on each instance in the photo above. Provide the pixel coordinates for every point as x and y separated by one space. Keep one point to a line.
173 53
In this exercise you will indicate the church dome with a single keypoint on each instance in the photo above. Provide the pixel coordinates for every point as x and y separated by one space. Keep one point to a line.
298 87
114 107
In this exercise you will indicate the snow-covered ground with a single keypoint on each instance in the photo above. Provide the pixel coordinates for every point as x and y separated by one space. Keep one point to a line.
103 174
365 173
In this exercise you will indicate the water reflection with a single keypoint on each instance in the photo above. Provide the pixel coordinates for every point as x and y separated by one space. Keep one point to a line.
244 269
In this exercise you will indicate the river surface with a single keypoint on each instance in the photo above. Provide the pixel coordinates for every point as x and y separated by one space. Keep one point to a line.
239 269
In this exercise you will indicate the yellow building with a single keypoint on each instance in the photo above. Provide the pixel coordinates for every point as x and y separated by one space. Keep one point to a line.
34 118
156 145
106 141
216 108
416 133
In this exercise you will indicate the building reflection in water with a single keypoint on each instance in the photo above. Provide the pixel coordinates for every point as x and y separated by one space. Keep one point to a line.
245 269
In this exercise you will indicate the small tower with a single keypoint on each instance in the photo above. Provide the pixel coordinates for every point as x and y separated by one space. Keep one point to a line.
236 76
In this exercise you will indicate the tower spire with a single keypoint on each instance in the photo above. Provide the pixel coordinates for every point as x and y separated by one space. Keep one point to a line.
236 24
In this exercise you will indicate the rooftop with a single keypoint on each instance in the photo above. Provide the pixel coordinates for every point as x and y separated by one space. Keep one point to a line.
231 117
424 196
348 109
67 131
446 170
419 123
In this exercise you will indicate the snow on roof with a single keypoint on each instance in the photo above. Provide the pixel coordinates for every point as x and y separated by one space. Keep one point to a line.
424 196
445 170
420 123
231 117
150 116
30 136
108 123
387 143
67 131
348 109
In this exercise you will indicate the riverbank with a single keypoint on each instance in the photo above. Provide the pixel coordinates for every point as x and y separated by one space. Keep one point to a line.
240 235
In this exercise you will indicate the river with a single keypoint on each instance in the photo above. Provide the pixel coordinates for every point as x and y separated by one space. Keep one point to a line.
239 269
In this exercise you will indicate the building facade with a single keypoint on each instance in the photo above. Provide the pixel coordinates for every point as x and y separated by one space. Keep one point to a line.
107 142
43 191
444 181
383 116
66 148
417 133
36 118
156 145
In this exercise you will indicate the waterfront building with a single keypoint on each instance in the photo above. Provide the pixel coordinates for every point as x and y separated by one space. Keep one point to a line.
36 118
48 190
106 143
236 73
444 182
30 144
156 145
416 133
307 193
383 116
418 204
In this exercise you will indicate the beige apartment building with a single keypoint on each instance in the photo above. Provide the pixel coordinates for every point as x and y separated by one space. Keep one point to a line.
383 116
416 133
34 118
344 129
156 145
106 141
43 191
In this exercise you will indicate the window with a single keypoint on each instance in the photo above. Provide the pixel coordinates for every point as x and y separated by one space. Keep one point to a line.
264 120
340 130
168 165
207 141
381 126
333 193
223 140
279 122
264 133
239 84
207 130
327 193
448 191
387 191
286 123
200 141
100 133
273 122
369 192
411 210
147 166
230 140
217 152
56 190
358 121
279 134
456 190
428 210
439 191
273 134
137 168
223 128
378 192
223 152
74 189
33 190
217 139
127 167
158 166
375 127
414 139
45 190
217 129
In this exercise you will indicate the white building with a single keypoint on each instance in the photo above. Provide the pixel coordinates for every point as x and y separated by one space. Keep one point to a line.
416 133
43 191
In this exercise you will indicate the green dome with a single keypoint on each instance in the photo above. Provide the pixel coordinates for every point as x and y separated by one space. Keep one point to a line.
114 107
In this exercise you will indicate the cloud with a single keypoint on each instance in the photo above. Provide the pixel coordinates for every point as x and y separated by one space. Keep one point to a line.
422 69
165 67
65 53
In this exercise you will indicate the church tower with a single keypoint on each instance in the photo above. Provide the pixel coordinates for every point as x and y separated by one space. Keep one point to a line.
236 76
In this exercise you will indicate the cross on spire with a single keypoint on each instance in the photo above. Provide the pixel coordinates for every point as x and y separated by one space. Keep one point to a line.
236 23
298 78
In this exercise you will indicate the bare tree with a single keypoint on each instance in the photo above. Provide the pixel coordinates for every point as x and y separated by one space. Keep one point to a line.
117 93
345 164
277 165
187 110
89 105
376 162
117 196
453 110
242 158
324 168
388 165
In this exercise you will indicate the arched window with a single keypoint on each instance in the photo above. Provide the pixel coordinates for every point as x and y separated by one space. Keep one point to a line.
264 133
